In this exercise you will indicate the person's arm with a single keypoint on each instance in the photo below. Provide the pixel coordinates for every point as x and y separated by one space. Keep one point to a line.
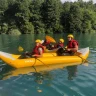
40 52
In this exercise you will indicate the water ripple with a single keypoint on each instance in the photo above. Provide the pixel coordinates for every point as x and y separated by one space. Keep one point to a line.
54 83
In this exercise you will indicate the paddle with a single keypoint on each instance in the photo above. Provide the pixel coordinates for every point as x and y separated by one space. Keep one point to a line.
41 61
84 61
49 38
21 49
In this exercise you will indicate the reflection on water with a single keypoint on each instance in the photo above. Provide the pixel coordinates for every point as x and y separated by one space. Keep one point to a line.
40 72
40 77
5 71
50 80
38 80
72 72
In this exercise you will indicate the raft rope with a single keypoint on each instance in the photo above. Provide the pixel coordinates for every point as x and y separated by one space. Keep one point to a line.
35 63
34 66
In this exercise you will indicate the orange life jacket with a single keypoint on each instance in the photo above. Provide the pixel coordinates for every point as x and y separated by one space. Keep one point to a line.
71 45
35 50
60 45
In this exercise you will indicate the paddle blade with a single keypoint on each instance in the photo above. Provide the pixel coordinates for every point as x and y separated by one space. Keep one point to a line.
20 49
85 64
50 39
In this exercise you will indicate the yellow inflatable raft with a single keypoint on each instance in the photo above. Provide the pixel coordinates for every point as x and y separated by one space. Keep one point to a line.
46 60
50 51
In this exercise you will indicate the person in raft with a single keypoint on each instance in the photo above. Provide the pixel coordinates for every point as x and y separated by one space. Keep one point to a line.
36 52
47 44
72 45
38 49
60 44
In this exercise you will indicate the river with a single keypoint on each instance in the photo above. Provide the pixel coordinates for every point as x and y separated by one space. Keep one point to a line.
55 81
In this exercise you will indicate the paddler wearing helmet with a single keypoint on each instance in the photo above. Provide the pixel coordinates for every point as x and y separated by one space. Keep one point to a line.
38 50
60 44
47 44
72 45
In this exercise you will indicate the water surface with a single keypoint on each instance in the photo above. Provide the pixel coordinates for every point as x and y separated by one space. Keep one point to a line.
62 81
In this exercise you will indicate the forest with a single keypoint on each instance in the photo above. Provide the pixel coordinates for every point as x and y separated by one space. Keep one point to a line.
47 16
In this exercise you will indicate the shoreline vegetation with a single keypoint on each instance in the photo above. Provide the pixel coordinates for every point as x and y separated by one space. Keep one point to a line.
47 16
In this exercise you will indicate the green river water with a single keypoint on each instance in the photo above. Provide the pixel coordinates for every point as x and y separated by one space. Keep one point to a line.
68 81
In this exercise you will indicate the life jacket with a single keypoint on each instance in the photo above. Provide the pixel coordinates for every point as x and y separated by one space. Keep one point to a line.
60 45
35 50
71 45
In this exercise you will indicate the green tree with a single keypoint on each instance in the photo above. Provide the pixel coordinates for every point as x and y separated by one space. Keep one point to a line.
75 19
89 21
46 16
51 14
14 32
27 28
9 14
3 7
65 16
4 28
23 13
36 18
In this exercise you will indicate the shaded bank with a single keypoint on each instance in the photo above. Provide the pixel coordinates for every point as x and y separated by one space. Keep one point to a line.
46 16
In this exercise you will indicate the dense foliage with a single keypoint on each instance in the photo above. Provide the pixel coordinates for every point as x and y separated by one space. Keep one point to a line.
46 16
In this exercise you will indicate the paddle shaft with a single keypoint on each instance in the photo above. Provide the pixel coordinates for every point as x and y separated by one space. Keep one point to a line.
42 62
78 54
86 61
83 60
